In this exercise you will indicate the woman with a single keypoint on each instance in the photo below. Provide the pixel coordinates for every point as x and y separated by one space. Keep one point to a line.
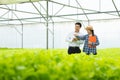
91 41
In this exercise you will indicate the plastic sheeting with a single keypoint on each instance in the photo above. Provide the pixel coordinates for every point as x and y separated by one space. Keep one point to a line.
15 1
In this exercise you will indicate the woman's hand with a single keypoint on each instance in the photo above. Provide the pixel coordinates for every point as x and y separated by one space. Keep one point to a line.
89 42
76 35
74 39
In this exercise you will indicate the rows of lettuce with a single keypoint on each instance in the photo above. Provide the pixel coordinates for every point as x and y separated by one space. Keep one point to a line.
39 64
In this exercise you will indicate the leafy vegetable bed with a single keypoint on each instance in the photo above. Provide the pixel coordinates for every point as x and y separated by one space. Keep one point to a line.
41 64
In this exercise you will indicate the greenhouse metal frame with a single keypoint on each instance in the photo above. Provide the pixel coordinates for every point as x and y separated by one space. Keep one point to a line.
46 18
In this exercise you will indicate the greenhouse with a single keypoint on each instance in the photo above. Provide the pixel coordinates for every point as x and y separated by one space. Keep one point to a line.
33 42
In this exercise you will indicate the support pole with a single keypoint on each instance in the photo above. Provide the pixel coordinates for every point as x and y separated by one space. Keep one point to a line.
22 37
53 34
47 25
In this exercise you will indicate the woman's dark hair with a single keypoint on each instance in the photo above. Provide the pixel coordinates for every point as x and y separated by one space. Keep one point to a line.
77 23
92 32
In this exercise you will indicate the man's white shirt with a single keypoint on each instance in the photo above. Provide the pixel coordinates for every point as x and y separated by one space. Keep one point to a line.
70 37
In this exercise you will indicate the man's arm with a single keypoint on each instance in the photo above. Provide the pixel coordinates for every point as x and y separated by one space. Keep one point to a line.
70 39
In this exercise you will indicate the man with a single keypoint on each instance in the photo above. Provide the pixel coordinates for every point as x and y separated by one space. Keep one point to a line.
74 42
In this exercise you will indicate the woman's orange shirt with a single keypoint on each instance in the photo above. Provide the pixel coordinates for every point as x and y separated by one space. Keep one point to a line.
92 38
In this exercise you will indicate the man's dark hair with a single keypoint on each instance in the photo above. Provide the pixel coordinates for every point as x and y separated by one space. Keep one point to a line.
77 23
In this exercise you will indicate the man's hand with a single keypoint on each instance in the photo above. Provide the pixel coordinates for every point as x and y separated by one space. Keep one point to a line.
74 39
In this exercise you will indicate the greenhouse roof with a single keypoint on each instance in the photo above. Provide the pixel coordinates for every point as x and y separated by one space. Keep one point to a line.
15 1
35 11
